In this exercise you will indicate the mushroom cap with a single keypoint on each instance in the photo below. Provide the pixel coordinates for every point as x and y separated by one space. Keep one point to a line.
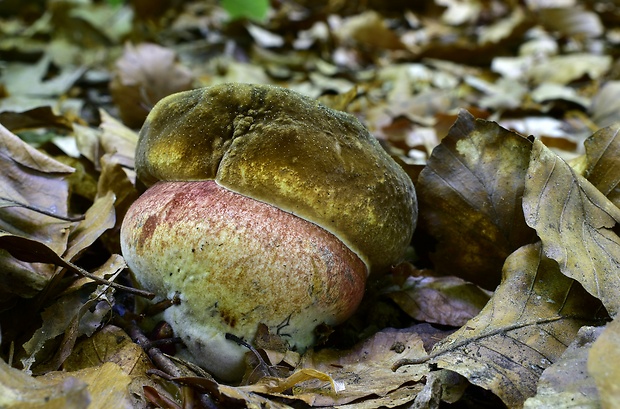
282 148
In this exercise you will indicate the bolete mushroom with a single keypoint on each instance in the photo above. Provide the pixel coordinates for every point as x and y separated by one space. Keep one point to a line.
263 206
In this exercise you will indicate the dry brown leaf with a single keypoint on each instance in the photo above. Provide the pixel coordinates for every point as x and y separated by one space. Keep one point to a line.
575 222
145 74
98 218
70 316
364 372
107 385
603 365
118 140
38 117
440 300
470 199
18 390
605 107
369 31
603 162
112 344
533 316
563 69
571 21
567 383
33 205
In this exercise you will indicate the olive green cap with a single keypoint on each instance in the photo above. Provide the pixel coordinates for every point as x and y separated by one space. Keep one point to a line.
282 148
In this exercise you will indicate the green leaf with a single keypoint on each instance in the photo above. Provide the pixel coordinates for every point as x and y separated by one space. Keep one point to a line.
252 9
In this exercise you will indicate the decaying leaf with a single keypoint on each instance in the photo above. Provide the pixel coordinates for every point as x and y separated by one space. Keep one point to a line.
605 107
567 383
575 222
364 372
33 196
118 141
18 390
533 316
603 365
106 385
603 162
145 74
470 199
112 344
72 315
440 300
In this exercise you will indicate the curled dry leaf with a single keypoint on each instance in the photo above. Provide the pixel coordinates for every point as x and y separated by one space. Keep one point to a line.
112 344
118 141
603 162
603 365
364 372
33 205
605 107
575 222
19 390
470 199
106 385
72 316
533 316
145 74
440 300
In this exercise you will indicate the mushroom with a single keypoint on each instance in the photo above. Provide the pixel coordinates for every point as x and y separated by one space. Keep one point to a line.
262 206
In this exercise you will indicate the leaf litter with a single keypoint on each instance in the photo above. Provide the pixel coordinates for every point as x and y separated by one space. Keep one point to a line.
511 275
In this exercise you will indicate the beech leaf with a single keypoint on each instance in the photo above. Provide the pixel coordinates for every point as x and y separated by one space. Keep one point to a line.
567 383
470 199
575 222
603 162
603 364
20 390
533 316
440 300
33 205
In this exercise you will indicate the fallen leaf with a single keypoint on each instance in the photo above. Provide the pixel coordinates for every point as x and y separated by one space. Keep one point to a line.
562 69
440 300
106 385
469 197
38 117
571 21
18 390
364 372
603 365
112 344
533 316
70 316
145 74
369 31
605 107
33 205
97 219
575 222
603 162
567 383
118 140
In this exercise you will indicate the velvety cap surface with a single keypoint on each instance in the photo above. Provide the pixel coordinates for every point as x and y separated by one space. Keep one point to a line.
279 147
